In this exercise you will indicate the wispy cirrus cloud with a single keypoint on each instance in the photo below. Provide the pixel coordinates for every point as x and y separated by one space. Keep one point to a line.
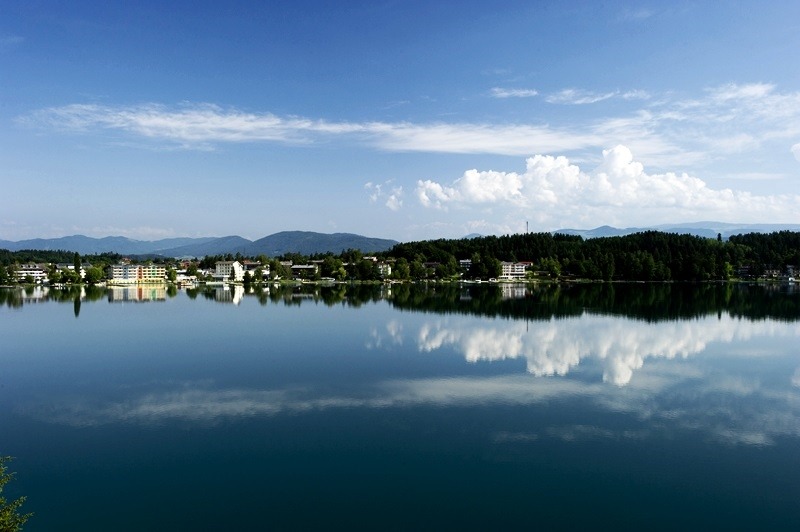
667 131
197 126
188 124
499 92
7 42
578 97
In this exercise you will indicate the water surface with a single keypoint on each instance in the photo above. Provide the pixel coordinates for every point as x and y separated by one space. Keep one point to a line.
403 406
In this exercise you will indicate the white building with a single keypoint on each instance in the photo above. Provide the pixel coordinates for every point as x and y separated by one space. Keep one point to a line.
137 273
37 271
513 270
385 269
224 268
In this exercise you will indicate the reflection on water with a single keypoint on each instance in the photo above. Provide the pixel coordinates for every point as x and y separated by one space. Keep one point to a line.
617 393
138 293
621 345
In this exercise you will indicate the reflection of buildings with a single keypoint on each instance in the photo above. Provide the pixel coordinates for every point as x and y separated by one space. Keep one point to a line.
513 291
38 293
229 294
137 293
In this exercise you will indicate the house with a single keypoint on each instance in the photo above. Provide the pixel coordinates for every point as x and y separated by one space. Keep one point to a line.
304 271
253 266
385 269
69 266
227 270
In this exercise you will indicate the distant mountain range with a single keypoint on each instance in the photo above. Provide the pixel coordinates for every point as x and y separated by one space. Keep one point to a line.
703 229
308 243
304 242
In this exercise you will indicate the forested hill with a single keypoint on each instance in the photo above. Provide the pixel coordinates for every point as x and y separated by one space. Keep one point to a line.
647 256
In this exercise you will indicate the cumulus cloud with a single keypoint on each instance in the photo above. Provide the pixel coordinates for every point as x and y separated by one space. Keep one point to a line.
556 188
394 198
498 92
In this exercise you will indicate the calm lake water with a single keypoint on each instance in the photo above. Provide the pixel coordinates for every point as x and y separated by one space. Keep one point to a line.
614 406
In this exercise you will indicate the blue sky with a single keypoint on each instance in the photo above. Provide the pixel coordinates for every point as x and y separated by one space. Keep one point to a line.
397 119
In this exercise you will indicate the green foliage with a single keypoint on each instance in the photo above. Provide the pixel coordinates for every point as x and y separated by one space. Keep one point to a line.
94 275
10 518
646 256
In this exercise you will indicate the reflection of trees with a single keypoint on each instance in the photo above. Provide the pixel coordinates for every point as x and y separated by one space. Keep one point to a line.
11 298
651 302
645 301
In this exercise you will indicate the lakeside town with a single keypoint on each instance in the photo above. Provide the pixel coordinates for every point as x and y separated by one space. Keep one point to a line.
543 257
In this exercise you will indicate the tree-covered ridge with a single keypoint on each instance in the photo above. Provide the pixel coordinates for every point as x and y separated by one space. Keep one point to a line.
646 256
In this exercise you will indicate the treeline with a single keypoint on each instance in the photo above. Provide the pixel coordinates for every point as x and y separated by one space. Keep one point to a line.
25 256
646 256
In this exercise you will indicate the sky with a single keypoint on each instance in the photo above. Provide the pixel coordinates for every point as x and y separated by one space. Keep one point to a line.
407 120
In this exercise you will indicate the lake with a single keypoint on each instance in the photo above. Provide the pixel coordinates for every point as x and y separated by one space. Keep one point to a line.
403 407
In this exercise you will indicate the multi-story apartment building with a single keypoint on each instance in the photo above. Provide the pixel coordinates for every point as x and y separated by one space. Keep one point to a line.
37 271
513 270
137 273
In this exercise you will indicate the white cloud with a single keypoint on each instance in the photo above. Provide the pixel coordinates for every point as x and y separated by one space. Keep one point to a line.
668 131
619 190
498 92
635 95
579 97
796 151
199 126
394 199
733 91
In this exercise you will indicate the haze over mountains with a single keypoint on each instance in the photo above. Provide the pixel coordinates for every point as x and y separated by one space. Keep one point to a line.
308 242
704 229
304 242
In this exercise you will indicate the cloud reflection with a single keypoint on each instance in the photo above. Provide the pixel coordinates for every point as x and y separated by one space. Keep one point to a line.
699 395
555 347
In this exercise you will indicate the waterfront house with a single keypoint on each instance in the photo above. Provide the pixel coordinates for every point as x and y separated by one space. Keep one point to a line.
228 270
